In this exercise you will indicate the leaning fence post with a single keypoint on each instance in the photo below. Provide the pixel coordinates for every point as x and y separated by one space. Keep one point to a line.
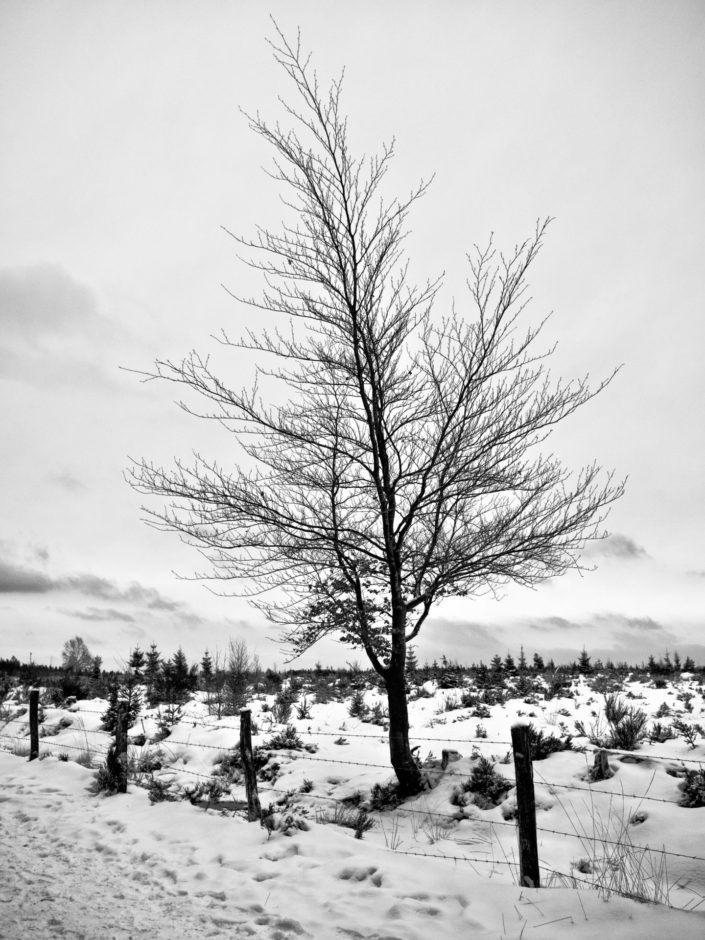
121 746
254 810
33 724
526 807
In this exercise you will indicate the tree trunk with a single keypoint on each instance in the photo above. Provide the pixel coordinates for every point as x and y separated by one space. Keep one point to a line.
405 767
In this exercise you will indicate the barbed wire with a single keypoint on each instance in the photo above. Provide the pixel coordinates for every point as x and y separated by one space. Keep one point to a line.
586 837
408 811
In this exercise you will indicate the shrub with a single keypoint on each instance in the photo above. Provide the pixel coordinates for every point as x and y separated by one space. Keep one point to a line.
379 715
384 796
159 791
285 740
303 710
356 819
107 777
486 786
660 733
208 791
543 745
281 709
630 731
688 732
357 707
693 787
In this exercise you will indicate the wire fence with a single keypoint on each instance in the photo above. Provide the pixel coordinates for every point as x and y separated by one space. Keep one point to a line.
601 788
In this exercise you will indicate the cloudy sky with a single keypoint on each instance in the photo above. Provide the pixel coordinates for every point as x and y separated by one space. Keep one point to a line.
124 152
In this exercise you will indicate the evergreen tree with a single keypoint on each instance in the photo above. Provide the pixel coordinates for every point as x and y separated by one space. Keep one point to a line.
584 665
688 665
676 661
207 670
412 664
539 664
496 665
551 665
652 665
180 675
122 693
152 673
136 662
96 679
482 675
509 665
522 665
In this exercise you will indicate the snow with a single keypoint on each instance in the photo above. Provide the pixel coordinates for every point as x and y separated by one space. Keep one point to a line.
81 865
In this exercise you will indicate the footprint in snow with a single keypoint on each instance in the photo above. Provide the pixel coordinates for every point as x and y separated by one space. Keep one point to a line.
351 873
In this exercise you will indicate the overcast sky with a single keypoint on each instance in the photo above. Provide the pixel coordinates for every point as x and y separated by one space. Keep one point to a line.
124 153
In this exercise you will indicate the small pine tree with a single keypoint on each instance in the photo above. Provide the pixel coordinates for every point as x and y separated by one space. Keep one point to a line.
539 664
509 665
136 662
689 664
676 661
496 665
522 664
482 675
122 693
96 679
412 664
584 665
152 673
207 670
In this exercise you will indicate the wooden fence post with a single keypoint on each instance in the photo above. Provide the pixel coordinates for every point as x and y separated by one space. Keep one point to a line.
254 810
33 724
526 807
121 746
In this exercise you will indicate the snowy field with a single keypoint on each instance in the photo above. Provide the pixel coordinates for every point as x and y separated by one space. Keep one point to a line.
82 865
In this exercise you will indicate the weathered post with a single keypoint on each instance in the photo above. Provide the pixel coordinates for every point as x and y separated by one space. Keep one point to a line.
254 810
33 724
526 807
121 746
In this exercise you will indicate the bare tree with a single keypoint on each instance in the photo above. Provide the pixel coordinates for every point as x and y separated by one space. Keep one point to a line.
75 656
239 666
406 466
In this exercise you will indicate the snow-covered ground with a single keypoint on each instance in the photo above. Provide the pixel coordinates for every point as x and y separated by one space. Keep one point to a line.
78 865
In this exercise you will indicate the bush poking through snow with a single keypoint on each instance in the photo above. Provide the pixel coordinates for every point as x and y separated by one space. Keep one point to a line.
693 787
688 732
358 820
107 777
160 791
485 787
384 796
287 739
285 819
543 745
357 707
303 710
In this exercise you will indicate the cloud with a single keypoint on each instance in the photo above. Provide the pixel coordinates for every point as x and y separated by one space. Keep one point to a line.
617 546
17 580
99 614
53 333
67 482
40 301
553 624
